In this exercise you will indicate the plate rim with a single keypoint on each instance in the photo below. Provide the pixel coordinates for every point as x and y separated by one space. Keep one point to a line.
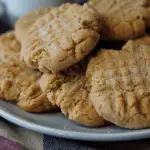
75 135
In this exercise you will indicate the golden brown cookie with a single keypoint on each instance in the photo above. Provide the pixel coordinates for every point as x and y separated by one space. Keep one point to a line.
24 23
145 40
120 85
19 83
69 90
61 38
123 19
9 48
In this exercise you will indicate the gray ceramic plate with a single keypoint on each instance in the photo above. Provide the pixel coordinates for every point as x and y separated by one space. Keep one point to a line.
57 125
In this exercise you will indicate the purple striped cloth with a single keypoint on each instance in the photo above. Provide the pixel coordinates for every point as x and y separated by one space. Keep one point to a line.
6 144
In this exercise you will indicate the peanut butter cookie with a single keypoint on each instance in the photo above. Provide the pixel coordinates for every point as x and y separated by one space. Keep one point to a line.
69 90
61 38
123 19
120 85
19 83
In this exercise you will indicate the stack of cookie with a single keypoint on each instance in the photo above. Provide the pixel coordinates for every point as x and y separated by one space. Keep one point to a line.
49 62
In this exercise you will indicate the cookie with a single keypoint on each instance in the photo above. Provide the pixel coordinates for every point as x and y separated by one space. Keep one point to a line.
19 83
69 90
10 48
61 38
145 40
123 19
24 23
120 89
